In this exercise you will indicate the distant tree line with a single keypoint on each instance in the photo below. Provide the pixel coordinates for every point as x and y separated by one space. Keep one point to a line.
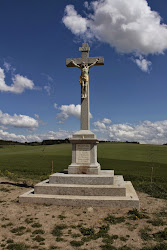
56 141
4 142
35 143
135 142
48 142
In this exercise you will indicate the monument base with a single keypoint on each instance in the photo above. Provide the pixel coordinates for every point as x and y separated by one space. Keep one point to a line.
91 169
102 190
84 153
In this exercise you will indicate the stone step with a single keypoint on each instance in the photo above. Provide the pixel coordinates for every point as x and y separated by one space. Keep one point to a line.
105 177
129 201
118 189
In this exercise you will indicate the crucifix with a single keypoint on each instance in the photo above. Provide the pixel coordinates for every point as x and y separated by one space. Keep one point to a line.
84 64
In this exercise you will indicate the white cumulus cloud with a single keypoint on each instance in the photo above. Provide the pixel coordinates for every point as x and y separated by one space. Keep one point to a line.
20 121
20 83
50 135
143 132
128 26
106 121
11 136
68 110
100 125
73 21
143 64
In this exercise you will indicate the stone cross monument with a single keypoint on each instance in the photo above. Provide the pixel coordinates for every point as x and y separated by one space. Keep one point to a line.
85 184
84 142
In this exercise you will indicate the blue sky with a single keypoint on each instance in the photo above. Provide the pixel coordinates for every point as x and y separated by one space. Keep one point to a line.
40 96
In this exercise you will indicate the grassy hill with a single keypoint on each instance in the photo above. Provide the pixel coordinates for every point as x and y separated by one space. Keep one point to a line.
133 161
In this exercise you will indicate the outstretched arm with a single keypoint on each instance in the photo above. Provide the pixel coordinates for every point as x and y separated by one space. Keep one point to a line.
76 65
93 63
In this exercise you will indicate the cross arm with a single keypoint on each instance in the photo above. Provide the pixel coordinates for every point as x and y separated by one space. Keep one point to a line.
88 60
91 60
76 60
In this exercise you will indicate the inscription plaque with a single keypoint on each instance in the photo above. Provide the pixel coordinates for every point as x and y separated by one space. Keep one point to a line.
82 153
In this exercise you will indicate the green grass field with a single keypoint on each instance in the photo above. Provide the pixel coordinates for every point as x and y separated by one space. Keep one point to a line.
133 161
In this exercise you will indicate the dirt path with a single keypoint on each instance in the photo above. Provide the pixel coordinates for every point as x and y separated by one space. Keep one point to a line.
27 226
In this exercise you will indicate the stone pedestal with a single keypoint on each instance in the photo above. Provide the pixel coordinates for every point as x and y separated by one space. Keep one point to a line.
84 153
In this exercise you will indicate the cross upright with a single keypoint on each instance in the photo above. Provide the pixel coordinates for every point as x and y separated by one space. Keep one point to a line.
84 64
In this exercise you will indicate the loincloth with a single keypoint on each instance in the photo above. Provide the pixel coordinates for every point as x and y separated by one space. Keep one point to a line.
84 78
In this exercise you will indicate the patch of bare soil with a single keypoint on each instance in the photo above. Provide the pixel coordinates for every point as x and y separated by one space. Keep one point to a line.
31 226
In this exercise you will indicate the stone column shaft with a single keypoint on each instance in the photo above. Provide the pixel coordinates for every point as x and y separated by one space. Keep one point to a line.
85 112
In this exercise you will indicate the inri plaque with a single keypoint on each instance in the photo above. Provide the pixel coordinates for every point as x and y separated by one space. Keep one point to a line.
82 153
